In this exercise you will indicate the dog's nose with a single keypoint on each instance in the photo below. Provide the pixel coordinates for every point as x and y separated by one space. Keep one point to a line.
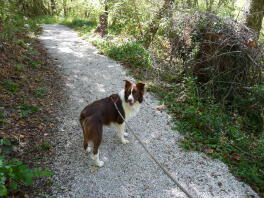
130 100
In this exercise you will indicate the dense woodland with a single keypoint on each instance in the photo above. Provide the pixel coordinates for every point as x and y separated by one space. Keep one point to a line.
204 59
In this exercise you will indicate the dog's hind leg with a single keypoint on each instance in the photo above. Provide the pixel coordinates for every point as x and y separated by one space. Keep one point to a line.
96 143
87 143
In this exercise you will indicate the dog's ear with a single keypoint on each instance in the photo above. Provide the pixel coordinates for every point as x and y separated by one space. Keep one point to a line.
127 84
141 86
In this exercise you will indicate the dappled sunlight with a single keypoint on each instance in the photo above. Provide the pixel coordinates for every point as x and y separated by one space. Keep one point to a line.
100 87
65 49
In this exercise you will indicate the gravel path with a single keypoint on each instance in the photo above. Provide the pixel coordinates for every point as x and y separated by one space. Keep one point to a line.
128 170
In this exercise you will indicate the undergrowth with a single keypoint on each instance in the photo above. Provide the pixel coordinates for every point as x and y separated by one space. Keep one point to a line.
210 128
25 81
14 174
130 53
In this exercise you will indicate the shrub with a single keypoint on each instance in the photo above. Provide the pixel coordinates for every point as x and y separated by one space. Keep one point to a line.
131 53
14 174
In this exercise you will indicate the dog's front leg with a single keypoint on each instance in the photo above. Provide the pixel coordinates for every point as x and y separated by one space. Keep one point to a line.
121 133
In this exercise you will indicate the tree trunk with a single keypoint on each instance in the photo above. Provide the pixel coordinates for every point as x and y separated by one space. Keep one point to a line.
139 26
154 25
189 3
209 5
65 8
255 16
102 27
53 6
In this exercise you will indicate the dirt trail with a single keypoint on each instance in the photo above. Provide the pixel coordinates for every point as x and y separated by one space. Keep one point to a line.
128 170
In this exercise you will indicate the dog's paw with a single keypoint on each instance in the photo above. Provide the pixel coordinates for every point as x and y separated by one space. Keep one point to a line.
126 134
99 163
124 141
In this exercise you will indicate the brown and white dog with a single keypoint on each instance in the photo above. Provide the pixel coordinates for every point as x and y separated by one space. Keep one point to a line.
103 112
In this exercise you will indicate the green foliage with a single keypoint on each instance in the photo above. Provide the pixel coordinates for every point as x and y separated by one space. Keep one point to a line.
47 19
45 146
19 67
31 62
6 146
13 174
84 26
40 92
210 128
2 117
26 109
14 21
10 85
131 53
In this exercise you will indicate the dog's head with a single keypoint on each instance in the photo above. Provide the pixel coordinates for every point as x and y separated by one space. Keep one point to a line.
134 92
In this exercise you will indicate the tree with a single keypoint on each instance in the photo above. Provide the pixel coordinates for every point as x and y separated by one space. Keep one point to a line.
64 4
53 6
255 16
155 23
102 27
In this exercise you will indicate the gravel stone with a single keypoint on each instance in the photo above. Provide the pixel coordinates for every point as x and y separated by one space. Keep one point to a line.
128 170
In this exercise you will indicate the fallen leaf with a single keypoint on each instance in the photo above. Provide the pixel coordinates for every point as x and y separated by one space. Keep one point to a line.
22 144
40 127
209 150
251 43
161 107
146 187
223 139
235 157
93 170
21 123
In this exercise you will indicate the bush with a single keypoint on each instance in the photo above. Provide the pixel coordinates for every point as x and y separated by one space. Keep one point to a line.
224 57
131 53
13 175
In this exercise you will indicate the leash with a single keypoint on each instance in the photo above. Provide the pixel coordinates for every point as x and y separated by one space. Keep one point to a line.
154 159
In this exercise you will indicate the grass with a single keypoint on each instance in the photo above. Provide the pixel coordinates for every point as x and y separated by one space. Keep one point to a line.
2 117
45 146
10 85
40 93
207 126
84 26
130 53
26 109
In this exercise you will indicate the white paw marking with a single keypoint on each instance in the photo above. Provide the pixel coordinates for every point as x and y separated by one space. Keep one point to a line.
99 163
124 141
126 134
